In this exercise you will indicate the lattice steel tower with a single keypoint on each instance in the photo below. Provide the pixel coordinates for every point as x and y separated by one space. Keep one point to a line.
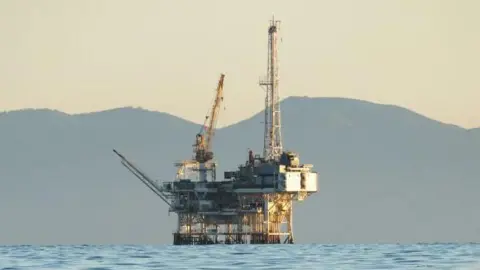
272 147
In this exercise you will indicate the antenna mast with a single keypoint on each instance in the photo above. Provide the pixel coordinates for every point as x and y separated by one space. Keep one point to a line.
272 146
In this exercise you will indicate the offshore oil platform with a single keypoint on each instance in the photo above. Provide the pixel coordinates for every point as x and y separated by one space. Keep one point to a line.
253 204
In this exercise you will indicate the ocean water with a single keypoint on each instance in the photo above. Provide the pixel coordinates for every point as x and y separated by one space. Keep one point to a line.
421 256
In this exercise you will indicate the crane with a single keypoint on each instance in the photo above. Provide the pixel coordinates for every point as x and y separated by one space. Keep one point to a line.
202 149
203 143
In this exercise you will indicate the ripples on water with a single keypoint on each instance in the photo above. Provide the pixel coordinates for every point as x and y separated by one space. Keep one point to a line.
242 257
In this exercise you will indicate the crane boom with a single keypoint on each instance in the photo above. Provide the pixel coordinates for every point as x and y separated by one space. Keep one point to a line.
214 113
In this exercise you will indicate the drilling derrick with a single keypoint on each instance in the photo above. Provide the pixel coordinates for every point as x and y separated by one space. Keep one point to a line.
252 204
272 145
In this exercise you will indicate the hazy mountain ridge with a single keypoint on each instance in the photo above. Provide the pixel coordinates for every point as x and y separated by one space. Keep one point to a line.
387 174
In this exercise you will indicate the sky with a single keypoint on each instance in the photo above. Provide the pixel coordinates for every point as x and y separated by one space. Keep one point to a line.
90 55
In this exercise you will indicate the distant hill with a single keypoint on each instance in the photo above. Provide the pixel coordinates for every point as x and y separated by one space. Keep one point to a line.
387 174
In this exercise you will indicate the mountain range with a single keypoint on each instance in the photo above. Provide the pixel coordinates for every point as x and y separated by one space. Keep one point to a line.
386 174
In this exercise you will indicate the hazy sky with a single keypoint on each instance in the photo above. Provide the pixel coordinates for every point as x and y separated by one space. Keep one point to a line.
89 55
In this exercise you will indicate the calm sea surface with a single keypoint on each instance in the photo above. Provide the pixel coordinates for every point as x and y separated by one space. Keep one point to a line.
422 256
